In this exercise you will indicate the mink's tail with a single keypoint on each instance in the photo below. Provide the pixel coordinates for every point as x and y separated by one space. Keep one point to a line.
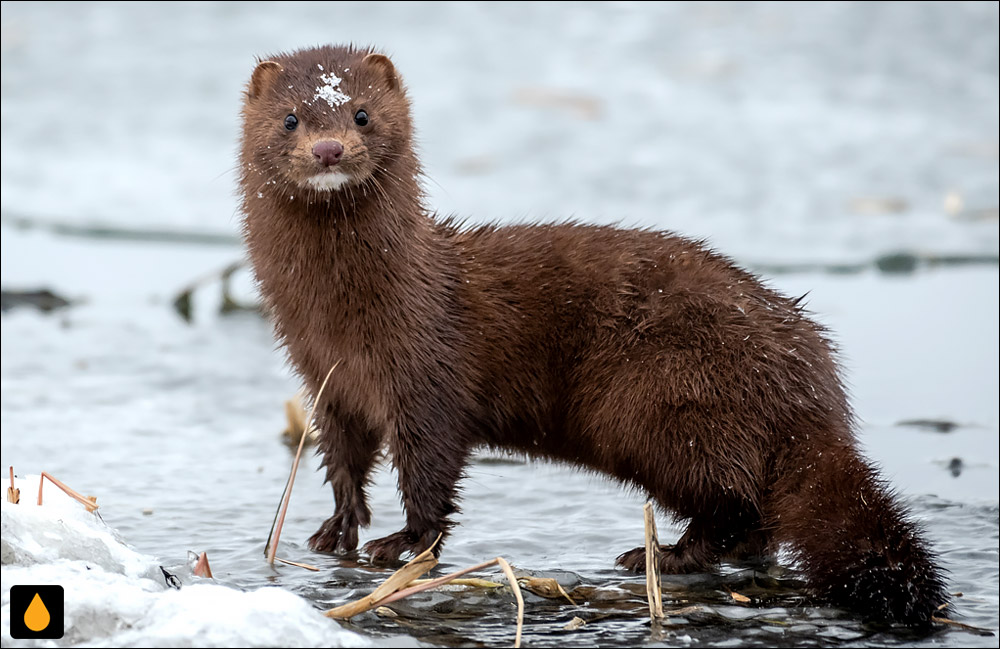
858 546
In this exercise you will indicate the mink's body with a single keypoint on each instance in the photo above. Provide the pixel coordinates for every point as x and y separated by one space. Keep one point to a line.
639 354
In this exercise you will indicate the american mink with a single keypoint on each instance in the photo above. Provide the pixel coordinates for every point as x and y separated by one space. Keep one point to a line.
639 354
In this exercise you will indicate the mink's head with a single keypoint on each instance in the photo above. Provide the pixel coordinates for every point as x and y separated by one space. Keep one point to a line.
321 120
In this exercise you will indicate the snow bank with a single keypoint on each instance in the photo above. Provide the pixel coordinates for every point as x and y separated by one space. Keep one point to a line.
117 597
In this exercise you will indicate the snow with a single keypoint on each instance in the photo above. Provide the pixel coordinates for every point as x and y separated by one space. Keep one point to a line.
115 596
330 91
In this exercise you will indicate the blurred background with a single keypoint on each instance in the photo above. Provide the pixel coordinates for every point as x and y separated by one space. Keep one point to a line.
834 132
849 150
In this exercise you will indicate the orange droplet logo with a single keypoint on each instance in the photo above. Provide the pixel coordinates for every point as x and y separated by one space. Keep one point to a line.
37 616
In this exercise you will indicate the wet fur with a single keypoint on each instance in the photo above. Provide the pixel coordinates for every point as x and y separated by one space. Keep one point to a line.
638 354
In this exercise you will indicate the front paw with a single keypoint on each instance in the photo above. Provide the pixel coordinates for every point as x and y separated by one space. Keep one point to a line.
389 548
339 532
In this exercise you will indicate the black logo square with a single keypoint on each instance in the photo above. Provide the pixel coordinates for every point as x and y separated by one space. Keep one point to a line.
36 612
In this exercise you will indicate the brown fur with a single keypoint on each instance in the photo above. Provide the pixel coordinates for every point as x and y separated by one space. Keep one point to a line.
638 354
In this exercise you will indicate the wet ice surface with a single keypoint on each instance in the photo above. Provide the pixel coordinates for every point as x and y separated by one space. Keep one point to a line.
832 134
123 400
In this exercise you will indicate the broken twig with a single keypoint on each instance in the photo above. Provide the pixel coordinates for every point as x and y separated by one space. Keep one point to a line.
88 501
13 494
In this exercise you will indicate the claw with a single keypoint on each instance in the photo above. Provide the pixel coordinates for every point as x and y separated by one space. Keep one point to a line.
633 560
670 562
389 548
339 532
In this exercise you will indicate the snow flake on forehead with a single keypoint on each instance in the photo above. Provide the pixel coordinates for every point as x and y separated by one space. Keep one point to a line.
330 91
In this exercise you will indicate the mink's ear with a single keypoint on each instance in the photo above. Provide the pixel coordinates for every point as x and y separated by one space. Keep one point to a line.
263 76
385 67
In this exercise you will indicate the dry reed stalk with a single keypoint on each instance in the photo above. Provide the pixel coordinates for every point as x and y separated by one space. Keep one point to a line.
653 592
471 582
297 564
295 414
545 587
271 548
737 597
517 595
13 495
397 580
968 627
88 501
201 568
427 584
400 584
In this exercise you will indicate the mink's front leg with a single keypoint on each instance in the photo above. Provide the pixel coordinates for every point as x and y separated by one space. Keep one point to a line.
429 466
349 449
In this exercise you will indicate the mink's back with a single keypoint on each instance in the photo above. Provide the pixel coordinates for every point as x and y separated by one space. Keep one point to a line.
565 323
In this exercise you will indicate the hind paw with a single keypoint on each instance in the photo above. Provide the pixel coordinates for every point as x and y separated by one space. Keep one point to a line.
672 561
635 560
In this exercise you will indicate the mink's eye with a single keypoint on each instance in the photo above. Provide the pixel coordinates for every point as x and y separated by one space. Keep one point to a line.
361 118
291 122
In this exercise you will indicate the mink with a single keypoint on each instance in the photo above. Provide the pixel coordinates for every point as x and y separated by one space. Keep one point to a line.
639 354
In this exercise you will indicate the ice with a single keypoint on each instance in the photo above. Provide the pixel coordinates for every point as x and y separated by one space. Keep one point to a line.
115 596
61 530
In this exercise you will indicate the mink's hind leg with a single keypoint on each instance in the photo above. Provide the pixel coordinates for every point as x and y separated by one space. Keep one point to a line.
757 549
704 543
349 451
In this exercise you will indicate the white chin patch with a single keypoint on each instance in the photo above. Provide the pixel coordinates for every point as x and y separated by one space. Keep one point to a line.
329 181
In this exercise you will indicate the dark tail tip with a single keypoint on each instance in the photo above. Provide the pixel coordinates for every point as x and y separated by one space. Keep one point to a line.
911 592
858 544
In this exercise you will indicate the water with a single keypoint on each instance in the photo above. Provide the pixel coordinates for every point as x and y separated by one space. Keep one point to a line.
830 135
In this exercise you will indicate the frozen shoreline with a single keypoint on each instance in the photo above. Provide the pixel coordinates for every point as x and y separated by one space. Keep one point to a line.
115 596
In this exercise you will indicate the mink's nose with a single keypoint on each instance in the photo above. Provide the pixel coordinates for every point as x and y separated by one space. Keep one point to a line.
328 152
